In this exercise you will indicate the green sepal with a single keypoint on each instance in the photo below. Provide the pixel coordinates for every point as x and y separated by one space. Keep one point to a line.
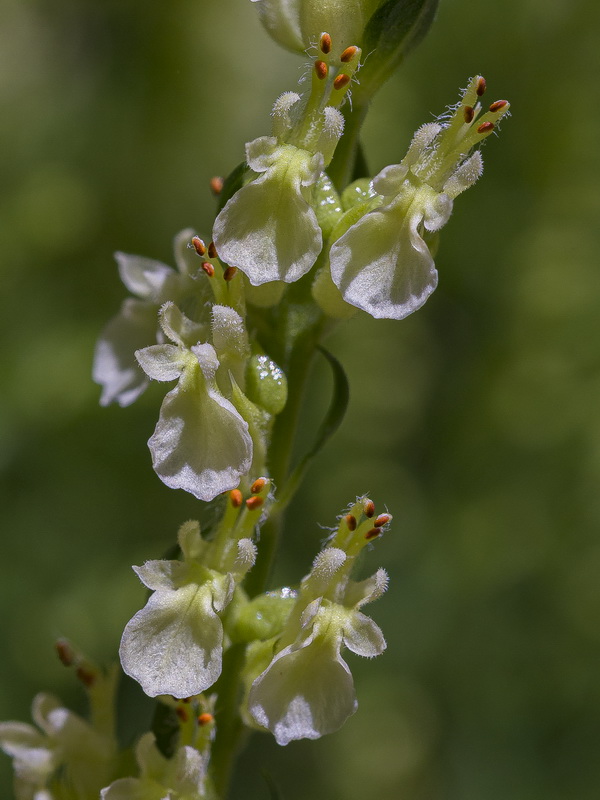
359 191
165 727
266 384
262 618
326 203
331 422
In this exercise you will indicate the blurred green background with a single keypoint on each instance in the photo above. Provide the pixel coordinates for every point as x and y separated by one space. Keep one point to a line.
476 421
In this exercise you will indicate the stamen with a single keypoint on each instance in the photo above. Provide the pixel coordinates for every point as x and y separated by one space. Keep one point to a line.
382 520
321 69
372 534
205 718
325 43
341 81
208 268
216 184
252 503
469 113
86 676
64 652
348 54
212 250
235 497
199 245
258 485
499 104
182 713
485 127
481 86
229 273
351 522
369 508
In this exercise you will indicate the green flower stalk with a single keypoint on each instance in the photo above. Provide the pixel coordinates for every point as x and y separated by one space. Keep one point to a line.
296 246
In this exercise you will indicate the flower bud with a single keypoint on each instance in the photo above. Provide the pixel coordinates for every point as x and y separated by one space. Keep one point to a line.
387 29
266 384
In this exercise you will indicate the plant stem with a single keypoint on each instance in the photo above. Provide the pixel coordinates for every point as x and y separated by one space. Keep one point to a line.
230 729
342 168
282 444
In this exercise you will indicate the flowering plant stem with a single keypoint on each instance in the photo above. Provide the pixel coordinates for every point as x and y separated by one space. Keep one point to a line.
343 166
301 330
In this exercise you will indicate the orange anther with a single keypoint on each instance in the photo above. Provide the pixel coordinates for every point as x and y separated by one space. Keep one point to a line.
199 245
229 273
212 250
252 503
348 54
350 522
208 268
372 534
258 485
216 184
485 127
341 81
235 496
321 69
204 719
481 86
64 652
499 104
369 508
382 519
325 43
182 713
468 113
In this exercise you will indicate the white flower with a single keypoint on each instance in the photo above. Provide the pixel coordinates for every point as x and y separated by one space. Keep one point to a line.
63 742
136 325
201 443
174 644
382 263
182 777
307 690
268 228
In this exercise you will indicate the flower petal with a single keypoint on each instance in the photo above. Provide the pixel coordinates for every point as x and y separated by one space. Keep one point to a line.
17 739
363 636
304 693
162 574
115 366
144 277
268 229
161 362
201 443
382 265
173 645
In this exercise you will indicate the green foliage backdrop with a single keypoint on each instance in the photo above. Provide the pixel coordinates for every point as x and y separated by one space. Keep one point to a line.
476 420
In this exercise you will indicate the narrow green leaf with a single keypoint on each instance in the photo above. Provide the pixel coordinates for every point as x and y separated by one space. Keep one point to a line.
332 421
393 31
